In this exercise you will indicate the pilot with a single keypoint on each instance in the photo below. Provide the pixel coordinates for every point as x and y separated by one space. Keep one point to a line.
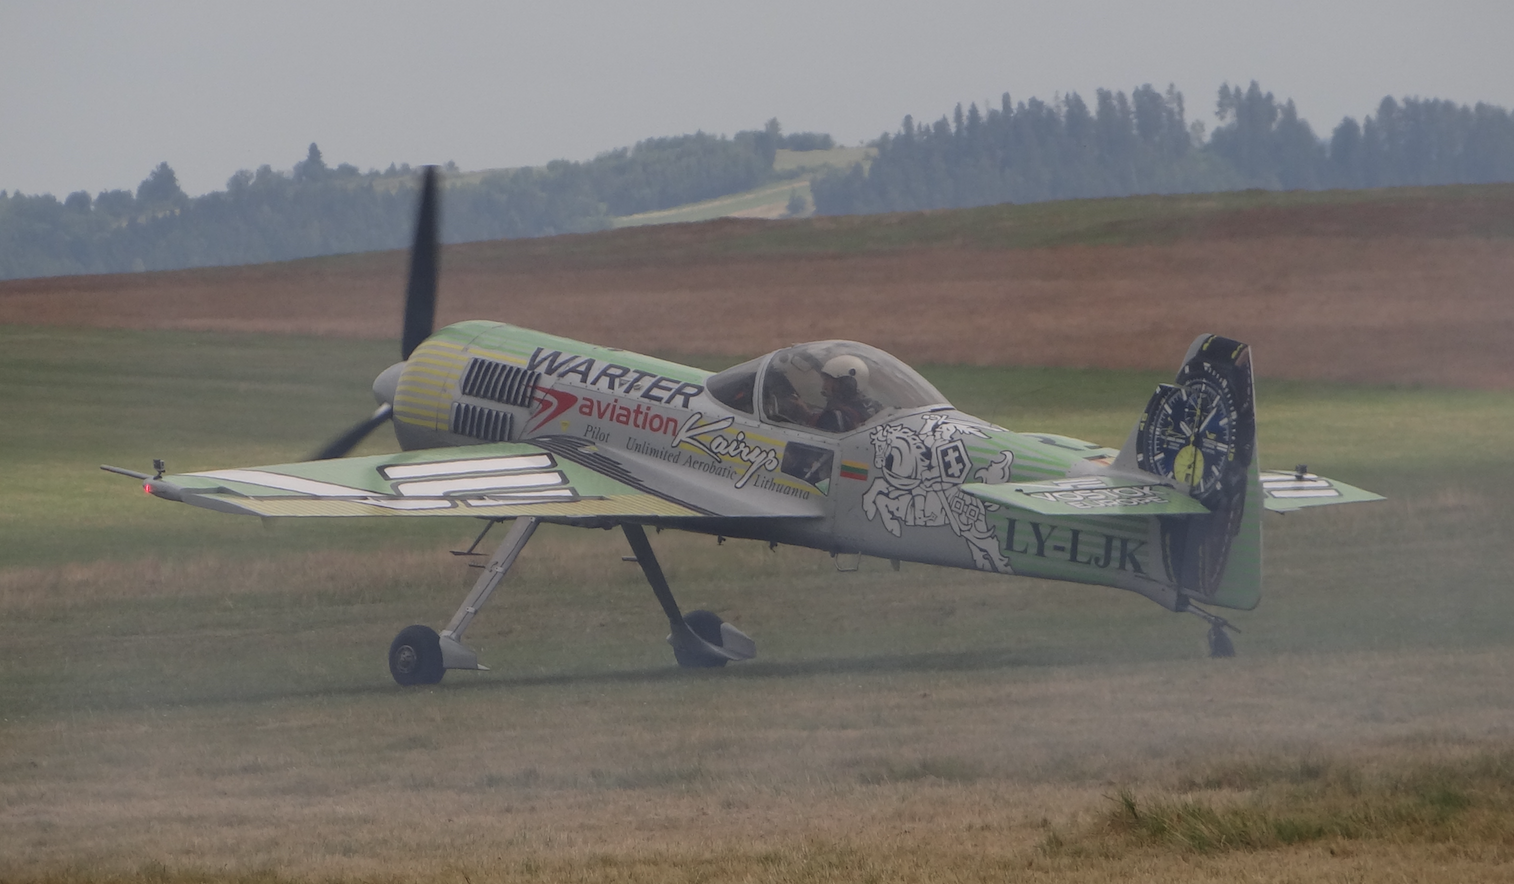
844 383
783 403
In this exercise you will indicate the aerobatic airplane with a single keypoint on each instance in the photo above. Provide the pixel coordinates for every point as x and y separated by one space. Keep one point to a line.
831 445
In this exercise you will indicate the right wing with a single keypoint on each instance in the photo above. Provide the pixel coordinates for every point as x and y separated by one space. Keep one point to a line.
500 480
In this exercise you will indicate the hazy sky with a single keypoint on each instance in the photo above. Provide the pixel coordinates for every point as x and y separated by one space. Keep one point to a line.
93 95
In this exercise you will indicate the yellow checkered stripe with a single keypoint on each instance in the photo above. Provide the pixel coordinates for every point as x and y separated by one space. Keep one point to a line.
424 397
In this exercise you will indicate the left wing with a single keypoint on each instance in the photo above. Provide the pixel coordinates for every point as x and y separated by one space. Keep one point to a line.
501 480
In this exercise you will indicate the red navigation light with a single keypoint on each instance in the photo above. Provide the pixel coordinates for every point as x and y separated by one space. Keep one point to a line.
147 488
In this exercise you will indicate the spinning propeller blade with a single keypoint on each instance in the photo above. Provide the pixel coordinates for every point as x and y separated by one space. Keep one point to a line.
420 294
420 312
357 433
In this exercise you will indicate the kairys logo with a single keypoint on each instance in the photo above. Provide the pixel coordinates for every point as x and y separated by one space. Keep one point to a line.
710 438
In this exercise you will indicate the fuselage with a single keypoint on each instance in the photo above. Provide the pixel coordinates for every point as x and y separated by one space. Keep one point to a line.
889 487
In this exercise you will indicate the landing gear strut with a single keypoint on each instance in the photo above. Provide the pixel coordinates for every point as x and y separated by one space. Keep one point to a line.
419 655
700 638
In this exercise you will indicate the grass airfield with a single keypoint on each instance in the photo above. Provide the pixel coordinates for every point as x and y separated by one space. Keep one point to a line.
186 696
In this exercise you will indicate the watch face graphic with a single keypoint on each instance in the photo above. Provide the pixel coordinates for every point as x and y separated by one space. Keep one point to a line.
1201 431
1191 433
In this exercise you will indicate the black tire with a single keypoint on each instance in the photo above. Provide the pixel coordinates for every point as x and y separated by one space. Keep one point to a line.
415 656
1220 644
706 625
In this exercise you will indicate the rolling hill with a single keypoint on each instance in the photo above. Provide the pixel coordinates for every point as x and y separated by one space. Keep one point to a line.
1403 286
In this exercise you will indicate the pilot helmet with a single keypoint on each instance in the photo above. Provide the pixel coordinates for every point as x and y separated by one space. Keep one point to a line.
848 370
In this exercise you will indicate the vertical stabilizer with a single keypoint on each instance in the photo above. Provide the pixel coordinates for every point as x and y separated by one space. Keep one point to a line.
1200 431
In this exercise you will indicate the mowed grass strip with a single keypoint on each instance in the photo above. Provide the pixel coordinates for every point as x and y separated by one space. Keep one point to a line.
191 696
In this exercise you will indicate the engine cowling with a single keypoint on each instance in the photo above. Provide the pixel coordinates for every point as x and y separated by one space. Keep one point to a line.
443 395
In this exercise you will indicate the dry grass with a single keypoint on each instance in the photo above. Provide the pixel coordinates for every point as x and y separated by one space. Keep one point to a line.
538 785
890 732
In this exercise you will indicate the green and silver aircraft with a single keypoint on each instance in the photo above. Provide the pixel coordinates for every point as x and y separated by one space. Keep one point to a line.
831 445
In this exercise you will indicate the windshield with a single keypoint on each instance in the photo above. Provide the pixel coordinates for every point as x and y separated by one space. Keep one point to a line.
836 386
735 387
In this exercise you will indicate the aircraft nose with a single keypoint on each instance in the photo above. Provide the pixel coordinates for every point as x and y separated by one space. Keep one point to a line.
387 384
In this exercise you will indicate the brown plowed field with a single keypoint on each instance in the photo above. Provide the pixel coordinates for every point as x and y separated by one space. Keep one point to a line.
1416 289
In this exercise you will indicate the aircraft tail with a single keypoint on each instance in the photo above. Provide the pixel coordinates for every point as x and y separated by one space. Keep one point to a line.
1200 431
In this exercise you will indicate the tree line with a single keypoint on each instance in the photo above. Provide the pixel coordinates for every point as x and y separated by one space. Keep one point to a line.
1142 143
1030 151
317 209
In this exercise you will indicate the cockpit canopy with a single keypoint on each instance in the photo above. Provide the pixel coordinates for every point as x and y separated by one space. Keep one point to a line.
830 386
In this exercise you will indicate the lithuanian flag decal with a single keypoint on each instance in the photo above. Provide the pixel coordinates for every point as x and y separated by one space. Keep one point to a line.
850 470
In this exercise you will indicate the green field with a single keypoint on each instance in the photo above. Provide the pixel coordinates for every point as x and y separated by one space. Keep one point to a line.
1475 211
813 161
191 696
802 166
770 198
1470 210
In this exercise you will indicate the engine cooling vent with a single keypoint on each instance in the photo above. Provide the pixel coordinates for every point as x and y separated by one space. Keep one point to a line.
496 381
480 423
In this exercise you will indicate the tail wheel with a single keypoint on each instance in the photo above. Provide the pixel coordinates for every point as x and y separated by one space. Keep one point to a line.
1220 644
415 656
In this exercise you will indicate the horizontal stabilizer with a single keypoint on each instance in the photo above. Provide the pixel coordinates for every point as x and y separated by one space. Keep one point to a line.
1285 492
1089 496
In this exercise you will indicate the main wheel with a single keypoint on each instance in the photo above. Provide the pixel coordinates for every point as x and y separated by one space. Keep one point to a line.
706 625
415 656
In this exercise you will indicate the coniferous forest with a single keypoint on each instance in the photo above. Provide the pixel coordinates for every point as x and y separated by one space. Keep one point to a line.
316 209
1035 150
1143 143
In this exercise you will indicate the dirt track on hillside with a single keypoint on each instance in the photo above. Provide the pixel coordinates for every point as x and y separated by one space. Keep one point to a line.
1376 309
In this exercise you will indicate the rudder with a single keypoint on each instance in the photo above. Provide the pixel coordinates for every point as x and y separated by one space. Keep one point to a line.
1200 431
